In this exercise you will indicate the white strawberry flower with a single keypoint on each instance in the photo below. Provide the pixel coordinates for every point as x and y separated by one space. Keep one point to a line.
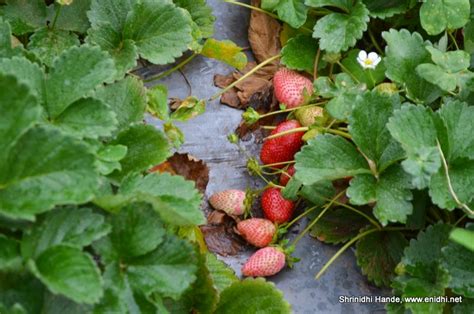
369 61
64 2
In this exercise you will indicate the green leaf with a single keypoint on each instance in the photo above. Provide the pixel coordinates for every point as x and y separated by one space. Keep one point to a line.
158 102
338 226
343 91
290 192
189 108
108 19
89 118
461 173
173 197
109 158
328 157
369 77
404 52
438 15
146 145
339 31
414 128
467 306
391 192
65 175
169 270
385 9
225 51
77 227
463 237
78 71
174 134
457 261
20 111
49 44
158 43
10 257
27 73
449 71
416 287
70 272
252 296
21 290
72 17
136 230
318 193
367 126
6 48
293 12
299 53
201 14
422 257
25 16
377 255
57 304
127 98
202 296
222 275
457 117
344 5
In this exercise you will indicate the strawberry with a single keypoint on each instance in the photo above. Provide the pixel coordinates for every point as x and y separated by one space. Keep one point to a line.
257 231
229 201
310 115
275 207
265 262
283 148
286 176
290 87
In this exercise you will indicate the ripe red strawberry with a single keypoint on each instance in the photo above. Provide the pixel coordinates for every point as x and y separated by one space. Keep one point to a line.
289 87
283 148
286 176
257 231
265 262
229 201
275 207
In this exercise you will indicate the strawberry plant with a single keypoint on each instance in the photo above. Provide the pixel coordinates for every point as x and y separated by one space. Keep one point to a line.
387 160
85 226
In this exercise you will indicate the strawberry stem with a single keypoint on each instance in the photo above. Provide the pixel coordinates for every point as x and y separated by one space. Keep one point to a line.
295 130
248 6
337 132
325 209
372 221
352 241
306 212
466 208
247 75
278 164
316 64
173 69
347 71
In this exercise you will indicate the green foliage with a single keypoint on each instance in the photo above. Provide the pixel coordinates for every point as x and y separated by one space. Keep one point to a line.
293 12
252 296
438 15
299 53
84 228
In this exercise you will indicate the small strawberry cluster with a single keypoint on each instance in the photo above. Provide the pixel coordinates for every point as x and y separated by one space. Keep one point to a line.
278 151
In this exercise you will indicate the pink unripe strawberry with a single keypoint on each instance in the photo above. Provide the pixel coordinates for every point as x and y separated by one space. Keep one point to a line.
287 175
290 87
229 201
265 262
275 207
257 231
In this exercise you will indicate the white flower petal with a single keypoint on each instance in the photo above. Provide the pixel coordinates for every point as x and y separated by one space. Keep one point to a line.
377 61
373 56
362 55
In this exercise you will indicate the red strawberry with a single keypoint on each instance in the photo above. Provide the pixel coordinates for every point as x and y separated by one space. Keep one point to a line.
229 201
283 148
275 207
265 262
289 87
286 176
257 231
